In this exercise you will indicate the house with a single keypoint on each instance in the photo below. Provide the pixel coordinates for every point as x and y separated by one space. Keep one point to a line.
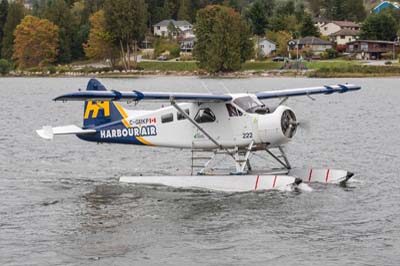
267 47
384 5
344 36
370 49
335 26
163 28
316 44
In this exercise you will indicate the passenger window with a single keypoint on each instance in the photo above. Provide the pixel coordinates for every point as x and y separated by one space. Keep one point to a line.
232 110
167 118
204 115
180 116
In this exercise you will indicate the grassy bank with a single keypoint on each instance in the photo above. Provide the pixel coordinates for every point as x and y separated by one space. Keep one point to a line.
168 66
355 71
315 69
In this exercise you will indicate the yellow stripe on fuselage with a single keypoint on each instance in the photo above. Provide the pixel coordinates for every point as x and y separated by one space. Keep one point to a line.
123 114
145 142
126 123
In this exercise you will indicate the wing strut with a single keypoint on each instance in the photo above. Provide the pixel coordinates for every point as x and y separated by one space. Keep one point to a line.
173 103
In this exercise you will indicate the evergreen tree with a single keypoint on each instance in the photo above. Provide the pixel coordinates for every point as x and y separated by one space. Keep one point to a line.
335 9
315 6
183 11
58 12
3 18
223 39
257 18
379 27
355 10
126 20
14 16
307 27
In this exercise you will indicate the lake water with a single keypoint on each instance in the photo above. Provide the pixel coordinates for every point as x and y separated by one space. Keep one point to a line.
61 203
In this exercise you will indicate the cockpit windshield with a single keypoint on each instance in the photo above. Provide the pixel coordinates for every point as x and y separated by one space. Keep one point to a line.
250 105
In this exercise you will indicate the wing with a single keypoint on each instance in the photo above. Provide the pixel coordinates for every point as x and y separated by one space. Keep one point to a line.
307 91
130 96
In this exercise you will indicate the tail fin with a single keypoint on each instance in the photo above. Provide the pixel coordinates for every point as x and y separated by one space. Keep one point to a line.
100 112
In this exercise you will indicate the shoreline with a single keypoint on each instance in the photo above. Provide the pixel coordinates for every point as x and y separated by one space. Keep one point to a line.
238 74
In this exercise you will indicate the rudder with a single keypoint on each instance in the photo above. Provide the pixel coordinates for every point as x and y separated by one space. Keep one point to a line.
100 112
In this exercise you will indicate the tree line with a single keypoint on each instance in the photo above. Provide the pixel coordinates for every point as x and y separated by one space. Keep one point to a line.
71 30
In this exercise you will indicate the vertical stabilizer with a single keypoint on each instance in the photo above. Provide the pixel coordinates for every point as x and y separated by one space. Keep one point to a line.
100 112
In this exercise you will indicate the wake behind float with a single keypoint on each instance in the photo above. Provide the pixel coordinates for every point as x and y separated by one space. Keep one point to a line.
237 125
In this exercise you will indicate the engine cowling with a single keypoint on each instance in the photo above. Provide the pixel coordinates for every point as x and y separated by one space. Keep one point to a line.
279 127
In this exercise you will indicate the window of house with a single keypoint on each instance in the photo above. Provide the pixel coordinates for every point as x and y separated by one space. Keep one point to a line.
180 116
342 37
158 27
167 118
204 115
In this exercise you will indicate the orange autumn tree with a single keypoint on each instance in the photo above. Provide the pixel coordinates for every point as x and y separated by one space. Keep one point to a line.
100 44
36 42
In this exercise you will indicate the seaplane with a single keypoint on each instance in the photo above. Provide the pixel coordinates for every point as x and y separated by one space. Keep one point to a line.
236 126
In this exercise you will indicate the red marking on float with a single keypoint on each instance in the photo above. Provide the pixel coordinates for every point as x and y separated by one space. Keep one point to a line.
309 176
256 185
327 176
274 182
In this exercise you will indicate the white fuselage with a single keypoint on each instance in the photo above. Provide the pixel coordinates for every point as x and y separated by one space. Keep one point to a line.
227 123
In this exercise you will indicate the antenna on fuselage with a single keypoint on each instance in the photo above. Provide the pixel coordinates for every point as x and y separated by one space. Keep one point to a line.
226 89
205 86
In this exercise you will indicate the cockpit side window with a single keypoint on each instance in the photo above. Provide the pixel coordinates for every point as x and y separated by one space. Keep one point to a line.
204 115
250 105
233 111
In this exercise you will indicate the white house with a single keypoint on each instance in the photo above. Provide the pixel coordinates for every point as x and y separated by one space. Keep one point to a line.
267 47
335 26
344 36
162 29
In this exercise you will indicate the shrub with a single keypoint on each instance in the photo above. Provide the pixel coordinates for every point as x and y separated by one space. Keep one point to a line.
331 53
162 45
5 67
387 56
51 69
175 51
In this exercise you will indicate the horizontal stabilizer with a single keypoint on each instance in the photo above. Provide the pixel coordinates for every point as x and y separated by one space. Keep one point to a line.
48 132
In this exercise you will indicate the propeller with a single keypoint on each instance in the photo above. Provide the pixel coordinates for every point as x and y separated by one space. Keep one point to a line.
289 123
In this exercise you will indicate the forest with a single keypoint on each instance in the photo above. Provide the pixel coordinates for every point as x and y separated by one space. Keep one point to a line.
71 30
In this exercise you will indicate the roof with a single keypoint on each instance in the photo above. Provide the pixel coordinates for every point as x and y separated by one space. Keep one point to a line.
384 4
266 39
189 39
372 41
179 23
345 32
310 40
346 23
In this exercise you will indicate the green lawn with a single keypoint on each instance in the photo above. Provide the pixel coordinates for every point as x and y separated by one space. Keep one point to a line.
262 65
168 66
330 64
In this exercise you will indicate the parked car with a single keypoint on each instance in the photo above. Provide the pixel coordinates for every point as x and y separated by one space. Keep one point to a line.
278 59
162 58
